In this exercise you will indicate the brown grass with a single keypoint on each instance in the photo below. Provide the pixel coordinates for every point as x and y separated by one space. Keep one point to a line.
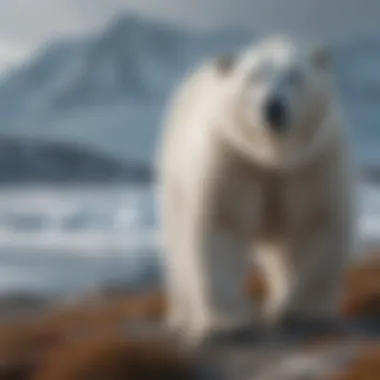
114 359
24 344
362 291
105 315
21 347
365 366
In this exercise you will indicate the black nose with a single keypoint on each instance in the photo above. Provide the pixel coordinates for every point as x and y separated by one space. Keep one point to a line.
275 114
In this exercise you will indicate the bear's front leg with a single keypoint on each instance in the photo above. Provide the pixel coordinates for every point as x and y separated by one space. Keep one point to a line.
305 284
320 283
280 278
214 271
175 287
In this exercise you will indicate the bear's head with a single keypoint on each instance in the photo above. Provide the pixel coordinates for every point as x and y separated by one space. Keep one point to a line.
275 97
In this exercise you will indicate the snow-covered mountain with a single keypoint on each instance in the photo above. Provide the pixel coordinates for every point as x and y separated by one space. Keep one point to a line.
105 90
108 90
132 58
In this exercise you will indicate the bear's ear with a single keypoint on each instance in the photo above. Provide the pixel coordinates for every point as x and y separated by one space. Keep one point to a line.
224 63
321 57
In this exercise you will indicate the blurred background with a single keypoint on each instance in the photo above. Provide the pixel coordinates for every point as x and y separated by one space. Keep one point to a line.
83 84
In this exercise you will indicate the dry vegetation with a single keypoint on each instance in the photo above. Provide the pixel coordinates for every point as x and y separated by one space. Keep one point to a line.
365 366
115 359
361 297
25 345
362 291
84 340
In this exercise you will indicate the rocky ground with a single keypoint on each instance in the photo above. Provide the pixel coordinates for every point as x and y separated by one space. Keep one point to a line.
95 337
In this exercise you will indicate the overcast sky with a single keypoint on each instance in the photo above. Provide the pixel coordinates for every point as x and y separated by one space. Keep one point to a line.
25 24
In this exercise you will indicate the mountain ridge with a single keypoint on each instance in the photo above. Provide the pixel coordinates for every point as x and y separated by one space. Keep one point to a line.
108 89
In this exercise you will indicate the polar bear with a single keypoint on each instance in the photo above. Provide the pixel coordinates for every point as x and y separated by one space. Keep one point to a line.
255 160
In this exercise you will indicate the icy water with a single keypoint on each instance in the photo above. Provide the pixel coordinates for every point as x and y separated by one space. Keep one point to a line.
63 240
66 239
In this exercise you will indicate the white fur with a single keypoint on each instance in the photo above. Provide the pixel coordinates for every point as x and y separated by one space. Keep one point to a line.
214 121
